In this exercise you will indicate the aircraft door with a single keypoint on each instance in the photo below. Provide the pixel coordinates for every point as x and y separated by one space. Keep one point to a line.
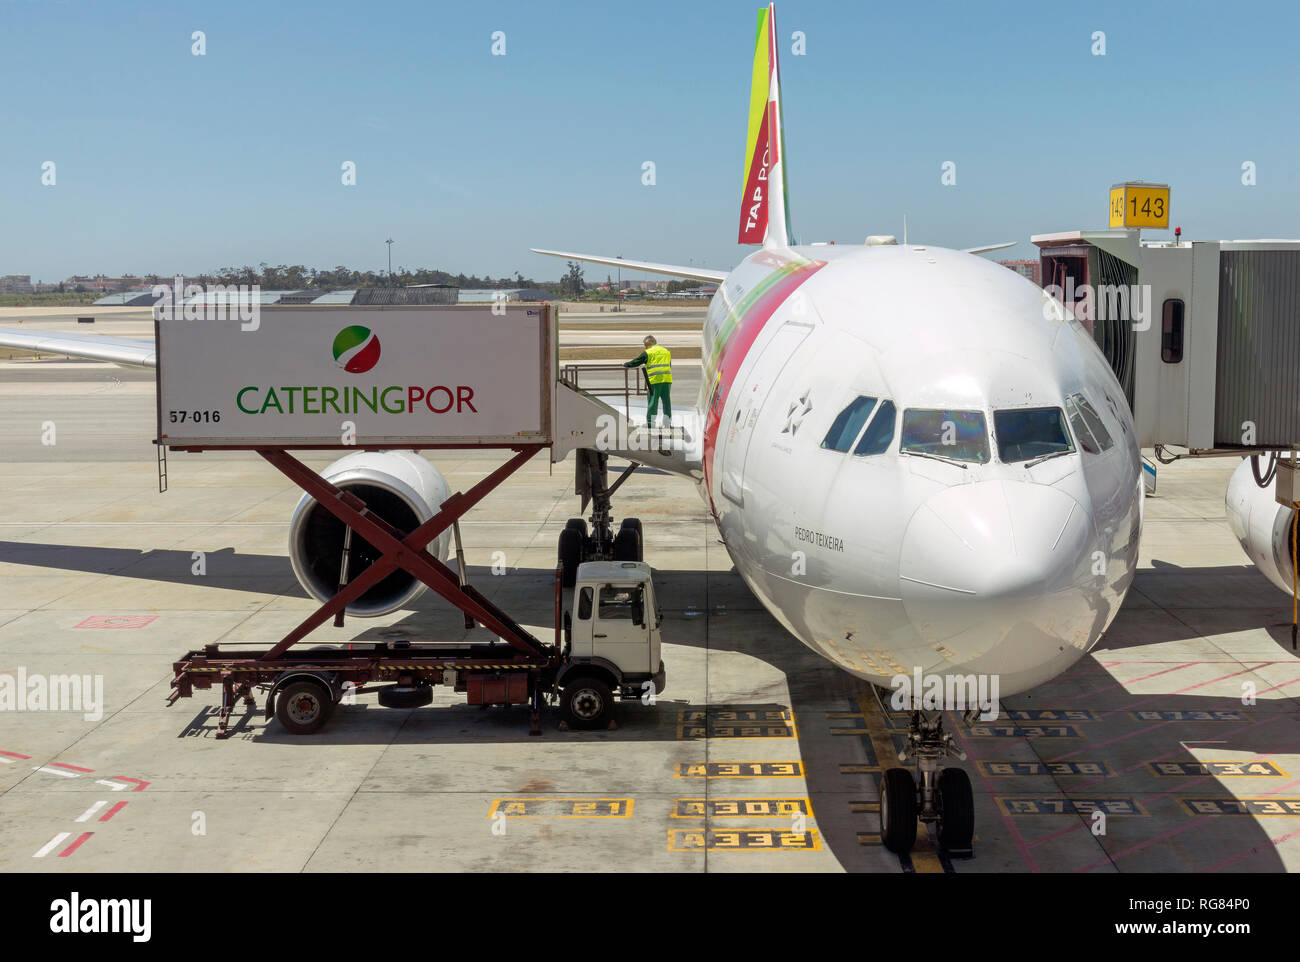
750 392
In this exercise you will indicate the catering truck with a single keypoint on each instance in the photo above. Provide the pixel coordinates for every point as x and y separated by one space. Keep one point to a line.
374 529
605 649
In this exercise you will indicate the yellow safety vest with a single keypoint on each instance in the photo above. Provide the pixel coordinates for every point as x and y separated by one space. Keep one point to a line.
658 365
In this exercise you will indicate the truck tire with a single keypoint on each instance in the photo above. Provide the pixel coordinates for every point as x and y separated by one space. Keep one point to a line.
570 554
627 545
303 707
586 703
635 525
406 696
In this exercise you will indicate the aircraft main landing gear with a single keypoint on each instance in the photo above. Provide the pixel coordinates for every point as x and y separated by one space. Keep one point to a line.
943 797
602 543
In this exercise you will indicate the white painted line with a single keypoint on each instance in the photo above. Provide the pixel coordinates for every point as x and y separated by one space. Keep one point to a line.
115 786
54 771
7 761
85 816
51 845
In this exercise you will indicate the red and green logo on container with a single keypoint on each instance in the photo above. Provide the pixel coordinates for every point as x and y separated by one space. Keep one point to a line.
356 349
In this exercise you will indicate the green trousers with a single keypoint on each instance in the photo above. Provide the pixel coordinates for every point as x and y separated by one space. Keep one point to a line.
657 392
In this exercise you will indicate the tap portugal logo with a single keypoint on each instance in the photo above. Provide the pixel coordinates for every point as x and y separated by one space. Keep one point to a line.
356 349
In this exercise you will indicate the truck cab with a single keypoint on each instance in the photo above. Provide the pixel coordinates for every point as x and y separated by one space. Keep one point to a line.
614 642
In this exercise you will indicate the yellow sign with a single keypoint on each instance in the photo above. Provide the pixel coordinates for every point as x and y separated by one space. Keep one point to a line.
1139 205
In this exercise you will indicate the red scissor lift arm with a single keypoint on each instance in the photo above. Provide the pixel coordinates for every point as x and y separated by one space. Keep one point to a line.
491 675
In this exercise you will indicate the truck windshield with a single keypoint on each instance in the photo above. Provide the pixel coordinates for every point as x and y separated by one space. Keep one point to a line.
943 433
616 601
1029 433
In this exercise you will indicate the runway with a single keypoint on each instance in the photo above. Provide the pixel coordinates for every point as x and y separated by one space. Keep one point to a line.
759 756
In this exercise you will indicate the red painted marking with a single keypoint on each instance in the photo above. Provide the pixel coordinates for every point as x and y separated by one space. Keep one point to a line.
1272 843
15 755
117 621
139 784
1124 682
81 840
1197 823
74 768
112 811
1283 685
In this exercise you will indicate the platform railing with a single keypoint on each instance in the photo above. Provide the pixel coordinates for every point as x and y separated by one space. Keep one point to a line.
634 382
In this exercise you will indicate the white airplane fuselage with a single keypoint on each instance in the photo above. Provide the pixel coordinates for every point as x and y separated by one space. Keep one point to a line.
889 562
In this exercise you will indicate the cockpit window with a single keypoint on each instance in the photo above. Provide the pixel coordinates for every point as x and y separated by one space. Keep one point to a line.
955 435
844 429
880 432
1028 433
1092 434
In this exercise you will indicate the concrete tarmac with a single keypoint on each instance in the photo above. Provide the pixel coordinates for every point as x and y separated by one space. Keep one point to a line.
759 755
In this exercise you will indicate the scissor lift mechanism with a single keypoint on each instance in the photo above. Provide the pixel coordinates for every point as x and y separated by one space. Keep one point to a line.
527 670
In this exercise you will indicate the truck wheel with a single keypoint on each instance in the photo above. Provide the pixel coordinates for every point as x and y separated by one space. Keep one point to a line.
635 525
570 552
303 707
406 696
577 524
627 545
586 703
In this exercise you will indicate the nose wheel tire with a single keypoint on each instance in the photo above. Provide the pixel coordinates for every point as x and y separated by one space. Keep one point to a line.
303 707
898 810
586 703
956 804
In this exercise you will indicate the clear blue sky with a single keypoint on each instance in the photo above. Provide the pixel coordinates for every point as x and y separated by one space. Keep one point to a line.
171 162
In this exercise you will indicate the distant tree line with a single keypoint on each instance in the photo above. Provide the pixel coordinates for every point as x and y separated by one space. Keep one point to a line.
299 277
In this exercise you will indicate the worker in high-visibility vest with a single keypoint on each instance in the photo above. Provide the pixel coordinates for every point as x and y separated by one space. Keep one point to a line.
659 371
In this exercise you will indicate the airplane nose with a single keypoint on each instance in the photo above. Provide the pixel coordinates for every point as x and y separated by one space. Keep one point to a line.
994 575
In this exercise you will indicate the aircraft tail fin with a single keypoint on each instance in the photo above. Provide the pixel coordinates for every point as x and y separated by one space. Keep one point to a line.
763 205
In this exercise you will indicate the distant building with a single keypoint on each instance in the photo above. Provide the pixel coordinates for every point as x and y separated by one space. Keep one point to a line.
16 284
488 295
418 294
1033 270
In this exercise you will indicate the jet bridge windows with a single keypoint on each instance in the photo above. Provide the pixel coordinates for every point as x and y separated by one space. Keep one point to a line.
1171 331
945 434
1086 422
1026 434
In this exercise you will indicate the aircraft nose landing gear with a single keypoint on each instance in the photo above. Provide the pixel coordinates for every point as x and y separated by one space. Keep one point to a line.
943 797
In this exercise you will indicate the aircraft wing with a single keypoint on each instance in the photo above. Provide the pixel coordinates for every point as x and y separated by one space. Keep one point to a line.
673 270
130 351
989 247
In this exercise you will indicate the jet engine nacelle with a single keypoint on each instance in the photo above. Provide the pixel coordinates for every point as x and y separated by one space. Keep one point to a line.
1261 525
402 488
